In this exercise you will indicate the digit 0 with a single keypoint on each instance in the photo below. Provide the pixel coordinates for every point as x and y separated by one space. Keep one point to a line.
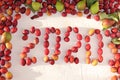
88 53
54 57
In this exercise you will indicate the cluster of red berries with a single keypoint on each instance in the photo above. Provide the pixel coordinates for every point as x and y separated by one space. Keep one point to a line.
5 60
56 52
114 33
23 55
9 21
88 47
74 49
109 6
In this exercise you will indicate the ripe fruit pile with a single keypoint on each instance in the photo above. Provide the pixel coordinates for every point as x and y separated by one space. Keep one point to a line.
5 51
11 11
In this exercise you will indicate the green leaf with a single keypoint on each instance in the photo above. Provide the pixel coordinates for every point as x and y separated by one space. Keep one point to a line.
94 8
103 15
90 2
119 15
116 41
104 29
114 16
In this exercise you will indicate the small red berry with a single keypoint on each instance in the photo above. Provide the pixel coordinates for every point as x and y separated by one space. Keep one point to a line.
64 14
32 29
97 31
66 59
25 37
51 61
76 60
46 51
37 32
75 29
87 47
66 39
46 44
69 29
71 59
79 36
87 38
107 33
96 17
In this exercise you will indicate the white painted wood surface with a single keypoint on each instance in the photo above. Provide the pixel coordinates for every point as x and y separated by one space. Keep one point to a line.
61 70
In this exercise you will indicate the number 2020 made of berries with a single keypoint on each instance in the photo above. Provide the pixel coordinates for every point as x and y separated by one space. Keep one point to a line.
69 53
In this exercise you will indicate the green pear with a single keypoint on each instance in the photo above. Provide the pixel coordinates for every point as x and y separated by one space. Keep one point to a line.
36 6
6 37
59 6
94 8
81 5
107 23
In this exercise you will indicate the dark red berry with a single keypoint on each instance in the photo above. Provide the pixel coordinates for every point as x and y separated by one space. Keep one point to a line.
75 29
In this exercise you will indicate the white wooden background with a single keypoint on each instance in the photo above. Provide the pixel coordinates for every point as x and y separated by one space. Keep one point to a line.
61 70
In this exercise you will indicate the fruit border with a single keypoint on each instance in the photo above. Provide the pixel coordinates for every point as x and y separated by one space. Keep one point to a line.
11 11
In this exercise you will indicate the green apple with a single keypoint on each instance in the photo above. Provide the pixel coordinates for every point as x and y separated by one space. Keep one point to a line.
81 5
59 6
36 6
94 8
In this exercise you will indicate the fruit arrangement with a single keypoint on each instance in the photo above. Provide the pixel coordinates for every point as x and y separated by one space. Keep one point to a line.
106 11
91 32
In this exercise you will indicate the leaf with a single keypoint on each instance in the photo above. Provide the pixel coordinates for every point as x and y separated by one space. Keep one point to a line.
119 14
103 15
114 16
94 8
116 40
104 29
90 2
